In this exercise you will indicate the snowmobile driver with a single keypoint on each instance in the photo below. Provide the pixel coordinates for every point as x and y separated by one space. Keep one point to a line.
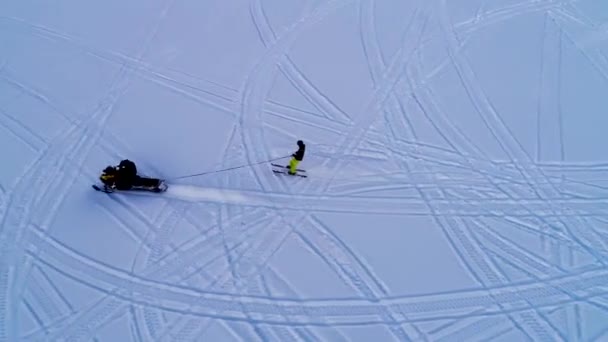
127 170
296 158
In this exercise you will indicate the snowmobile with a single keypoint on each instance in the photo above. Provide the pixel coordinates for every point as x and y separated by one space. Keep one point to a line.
124 177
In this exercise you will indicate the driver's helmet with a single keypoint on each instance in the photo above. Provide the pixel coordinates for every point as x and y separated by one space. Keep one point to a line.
108 174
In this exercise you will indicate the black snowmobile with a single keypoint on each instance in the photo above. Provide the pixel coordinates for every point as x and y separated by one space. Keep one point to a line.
124 177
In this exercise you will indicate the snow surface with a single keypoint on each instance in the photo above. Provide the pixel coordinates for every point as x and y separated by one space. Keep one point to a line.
456 153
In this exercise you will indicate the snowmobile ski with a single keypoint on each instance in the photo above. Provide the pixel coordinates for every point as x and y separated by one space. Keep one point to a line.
162 187
102 189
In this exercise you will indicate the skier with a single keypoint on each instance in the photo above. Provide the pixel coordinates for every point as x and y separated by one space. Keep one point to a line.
297 157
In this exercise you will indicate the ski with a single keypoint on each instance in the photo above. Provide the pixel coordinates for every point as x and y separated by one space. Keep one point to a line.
286 167
287 174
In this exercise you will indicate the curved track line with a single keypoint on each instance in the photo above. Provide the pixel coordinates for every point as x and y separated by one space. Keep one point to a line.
538 327
258 81
202 250
504 136
212 95
292 72
303 214
17 217
80 138
467 27
257 86
515 298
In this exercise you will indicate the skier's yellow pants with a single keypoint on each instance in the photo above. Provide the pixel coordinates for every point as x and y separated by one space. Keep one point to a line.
293 164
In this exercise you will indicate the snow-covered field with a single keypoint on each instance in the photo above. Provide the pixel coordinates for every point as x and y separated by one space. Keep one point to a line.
456 156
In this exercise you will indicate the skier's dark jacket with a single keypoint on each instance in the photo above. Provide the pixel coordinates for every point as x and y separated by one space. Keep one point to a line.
299 154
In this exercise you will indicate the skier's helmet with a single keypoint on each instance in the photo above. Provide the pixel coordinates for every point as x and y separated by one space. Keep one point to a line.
300 143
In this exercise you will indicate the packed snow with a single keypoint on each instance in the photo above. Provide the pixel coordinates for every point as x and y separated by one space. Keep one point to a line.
456 158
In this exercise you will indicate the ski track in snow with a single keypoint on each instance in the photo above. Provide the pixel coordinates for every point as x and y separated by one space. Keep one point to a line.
471 207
